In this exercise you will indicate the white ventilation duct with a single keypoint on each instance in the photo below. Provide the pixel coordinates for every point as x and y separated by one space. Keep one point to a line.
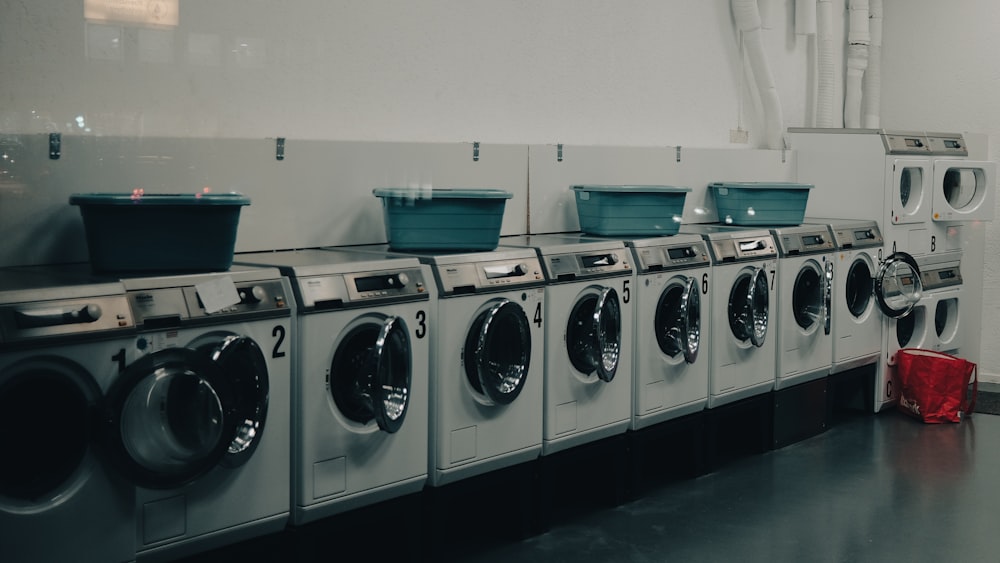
872 86
858 40
748 21
805 17
826 76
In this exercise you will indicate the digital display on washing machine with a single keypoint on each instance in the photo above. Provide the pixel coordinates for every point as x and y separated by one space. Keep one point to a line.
912 142
946 274
679 253
375 283
812 239
951 144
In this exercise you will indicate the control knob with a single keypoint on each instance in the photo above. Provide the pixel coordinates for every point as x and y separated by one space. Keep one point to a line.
251 295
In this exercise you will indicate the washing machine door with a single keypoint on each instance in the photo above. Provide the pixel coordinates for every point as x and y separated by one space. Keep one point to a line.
47 413
828 282
810 296
497 352
748 304
678 320
897 285
372 371
177 413
859 289
594 333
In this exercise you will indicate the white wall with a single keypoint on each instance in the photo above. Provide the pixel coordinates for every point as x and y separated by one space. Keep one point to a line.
634 72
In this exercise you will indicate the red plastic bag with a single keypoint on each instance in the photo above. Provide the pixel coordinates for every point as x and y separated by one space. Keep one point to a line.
935 385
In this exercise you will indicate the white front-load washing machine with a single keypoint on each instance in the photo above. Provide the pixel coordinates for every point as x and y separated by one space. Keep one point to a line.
672 349
804 302
360 377
487 360
199 419
588 339
857 321
63 340
744 268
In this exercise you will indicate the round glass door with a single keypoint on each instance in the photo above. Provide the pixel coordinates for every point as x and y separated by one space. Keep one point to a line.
858 288
177 413
963 188
897 285
371 373
909 326
497 352
808 297
748 304
46 408
594 333
678 320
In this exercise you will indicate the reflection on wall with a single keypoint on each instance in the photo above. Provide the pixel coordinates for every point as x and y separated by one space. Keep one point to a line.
157 13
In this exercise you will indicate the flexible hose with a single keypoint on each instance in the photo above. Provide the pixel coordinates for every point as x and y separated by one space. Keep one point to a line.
826 78
858 39
872 85
748 21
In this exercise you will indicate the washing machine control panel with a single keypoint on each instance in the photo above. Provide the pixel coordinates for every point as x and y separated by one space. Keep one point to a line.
743 248
671 257
352 289
588 264
938 276
858 236
804 241
489 275
26 321
171 306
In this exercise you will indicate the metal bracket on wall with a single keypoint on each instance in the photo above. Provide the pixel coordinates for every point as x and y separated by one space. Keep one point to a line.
678 153
475 151
55 146
279 149
559 152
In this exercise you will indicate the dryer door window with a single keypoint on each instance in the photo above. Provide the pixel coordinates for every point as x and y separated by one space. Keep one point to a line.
963 190
748 307
858 287
897 285
908 326
678 320
371 373
46 408
910 193
497 352
808 297
594 333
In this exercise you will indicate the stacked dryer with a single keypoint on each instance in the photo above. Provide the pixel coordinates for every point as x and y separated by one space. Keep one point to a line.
929 199
360 383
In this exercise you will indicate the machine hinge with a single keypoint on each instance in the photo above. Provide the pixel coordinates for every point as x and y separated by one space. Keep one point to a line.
55 146
279 148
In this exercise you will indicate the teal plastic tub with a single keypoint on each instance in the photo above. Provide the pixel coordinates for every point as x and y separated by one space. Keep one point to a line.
136 232
761 203
443 219
630 210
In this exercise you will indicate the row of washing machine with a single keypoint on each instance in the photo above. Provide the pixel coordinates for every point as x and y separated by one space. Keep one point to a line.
170 414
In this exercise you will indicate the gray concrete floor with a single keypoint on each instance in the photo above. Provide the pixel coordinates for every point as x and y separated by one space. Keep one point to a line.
871 488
